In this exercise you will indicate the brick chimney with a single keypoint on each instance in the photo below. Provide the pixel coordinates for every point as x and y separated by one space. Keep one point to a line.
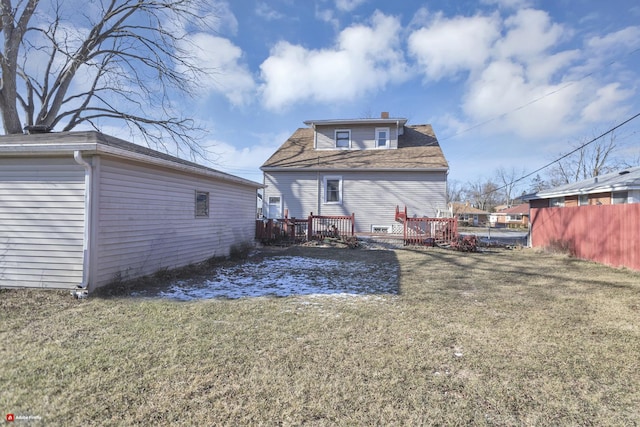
384 115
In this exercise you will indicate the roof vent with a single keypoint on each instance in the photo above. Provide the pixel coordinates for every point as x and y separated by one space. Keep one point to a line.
384 115
37 129
623 172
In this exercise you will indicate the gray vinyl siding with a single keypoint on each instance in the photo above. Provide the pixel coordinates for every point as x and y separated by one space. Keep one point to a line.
362 137
147 219
298 191
372 196
41 222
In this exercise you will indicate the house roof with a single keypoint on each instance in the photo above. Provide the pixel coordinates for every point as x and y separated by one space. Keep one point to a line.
418 149
627 179
465 208
522 209
93 143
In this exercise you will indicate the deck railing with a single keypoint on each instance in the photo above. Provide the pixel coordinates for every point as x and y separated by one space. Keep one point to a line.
430 230
315 227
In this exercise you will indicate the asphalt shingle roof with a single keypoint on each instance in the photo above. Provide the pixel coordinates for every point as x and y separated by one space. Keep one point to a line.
418 148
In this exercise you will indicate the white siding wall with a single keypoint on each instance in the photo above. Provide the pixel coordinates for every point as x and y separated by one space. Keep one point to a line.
372 196
362 137
147 220
41 222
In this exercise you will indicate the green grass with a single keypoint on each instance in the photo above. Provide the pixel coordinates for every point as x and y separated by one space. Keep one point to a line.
497 338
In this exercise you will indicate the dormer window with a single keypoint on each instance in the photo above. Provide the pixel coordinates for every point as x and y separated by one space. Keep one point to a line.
382 137
343 138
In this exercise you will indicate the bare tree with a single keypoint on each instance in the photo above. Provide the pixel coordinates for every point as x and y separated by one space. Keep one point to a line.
482 194
124 60
454 191
587 161
509 181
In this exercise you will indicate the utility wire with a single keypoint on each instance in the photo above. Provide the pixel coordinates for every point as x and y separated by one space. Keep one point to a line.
566 155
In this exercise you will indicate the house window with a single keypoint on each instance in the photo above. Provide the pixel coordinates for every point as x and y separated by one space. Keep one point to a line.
275 207
382 137
343 138
556 202
514 217
583 200
333 190
202 204
619 198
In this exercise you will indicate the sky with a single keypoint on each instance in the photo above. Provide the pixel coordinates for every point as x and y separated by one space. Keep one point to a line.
507 84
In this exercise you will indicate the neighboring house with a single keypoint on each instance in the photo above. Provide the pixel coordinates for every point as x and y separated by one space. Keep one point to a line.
515 216
596 219
466 213
361 166
609 189
83 209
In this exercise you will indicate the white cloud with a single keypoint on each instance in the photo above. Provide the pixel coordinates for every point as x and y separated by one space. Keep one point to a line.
364 59
606 104
530 34
245 161
228 75
447 47
267 12
519 79
348 5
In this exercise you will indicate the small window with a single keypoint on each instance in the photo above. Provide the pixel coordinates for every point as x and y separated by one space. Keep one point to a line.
202 204
619 198
343 138
583 200
556 202
333 190
382 137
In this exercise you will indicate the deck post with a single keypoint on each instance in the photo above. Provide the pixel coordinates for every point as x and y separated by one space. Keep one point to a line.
310 226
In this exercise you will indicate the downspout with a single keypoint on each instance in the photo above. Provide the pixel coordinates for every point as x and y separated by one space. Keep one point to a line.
83 287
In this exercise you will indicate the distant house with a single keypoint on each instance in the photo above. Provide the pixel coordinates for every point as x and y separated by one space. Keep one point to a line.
596 219
83 209
363 166
465 213
609 189
515 216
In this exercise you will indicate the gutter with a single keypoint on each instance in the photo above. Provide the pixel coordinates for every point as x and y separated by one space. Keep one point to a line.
83 290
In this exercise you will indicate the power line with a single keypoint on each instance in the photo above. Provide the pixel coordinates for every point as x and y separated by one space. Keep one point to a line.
566 155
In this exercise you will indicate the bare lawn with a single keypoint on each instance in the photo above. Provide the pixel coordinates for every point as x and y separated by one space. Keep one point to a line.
370 337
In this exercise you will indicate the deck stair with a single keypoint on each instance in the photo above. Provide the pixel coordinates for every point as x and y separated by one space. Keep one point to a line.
425 230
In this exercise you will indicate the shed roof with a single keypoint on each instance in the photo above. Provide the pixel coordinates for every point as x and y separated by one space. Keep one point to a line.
92 143
627 179
418 149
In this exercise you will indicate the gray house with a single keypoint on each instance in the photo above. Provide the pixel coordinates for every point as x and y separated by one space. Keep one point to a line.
83 209
361 166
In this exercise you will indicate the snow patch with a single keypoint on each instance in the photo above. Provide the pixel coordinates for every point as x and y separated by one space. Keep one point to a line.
287 276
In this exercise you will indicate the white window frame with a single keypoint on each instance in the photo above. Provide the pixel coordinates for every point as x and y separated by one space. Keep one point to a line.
335 138
583 199
325 197
388 139
199 210
279 204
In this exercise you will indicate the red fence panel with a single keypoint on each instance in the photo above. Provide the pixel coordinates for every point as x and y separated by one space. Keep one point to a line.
608 234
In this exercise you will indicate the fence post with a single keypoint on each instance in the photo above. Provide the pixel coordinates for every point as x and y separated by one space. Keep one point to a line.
353 224
310 227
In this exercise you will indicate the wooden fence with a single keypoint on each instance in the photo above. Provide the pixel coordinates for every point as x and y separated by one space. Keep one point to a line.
608 234
297 230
